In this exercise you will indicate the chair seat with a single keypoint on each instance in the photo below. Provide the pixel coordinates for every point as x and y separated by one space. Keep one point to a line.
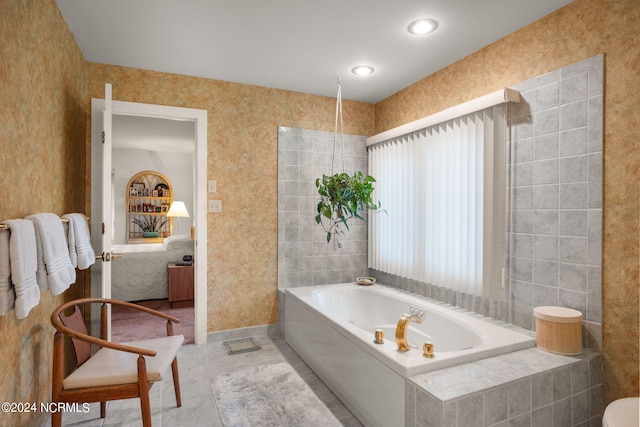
113 367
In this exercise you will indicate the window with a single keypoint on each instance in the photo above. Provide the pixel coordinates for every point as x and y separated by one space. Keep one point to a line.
444 188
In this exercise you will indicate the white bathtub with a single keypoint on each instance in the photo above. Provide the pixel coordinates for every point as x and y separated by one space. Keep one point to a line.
332 328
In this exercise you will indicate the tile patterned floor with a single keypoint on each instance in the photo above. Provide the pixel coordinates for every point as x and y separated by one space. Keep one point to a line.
199 365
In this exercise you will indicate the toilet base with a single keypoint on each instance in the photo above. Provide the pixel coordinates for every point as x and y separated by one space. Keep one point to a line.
622 413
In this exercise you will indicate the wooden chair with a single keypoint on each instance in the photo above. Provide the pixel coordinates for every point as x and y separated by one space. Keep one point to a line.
115 371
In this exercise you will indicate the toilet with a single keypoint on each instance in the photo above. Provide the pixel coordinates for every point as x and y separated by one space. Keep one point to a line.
622 413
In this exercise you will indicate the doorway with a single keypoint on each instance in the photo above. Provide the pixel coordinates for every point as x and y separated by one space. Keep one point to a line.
198 118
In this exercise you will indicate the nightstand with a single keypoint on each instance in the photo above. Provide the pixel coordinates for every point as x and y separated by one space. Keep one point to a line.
180 285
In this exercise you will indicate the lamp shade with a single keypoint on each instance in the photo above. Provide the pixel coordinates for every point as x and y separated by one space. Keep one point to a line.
178 209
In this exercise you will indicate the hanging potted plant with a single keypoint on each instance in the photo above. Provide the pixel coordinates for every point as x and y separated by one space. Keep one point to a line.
342 196
150 225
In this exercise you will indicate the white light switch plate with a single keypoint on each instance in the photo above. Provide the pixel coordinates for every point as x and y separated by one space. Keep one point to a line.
212 186
215 206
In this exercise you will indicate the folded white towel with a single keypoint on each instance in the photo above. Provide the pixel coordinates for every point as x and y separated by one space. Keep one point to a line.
41 271
55 252
23 258
71 242
7 297
79 232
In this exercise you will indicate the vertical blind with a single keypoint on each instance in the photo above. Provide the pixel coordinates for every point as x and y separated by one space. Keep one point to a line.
444 190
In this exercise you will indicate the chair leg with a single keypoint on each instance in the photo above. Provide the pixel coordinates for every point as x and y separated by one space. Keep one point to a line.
56 376
143 388
176 381
145 407
56 419
103 409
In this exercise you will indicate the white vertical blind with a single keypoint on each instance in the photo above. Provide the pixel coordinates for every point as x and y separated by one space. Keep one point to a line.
445 223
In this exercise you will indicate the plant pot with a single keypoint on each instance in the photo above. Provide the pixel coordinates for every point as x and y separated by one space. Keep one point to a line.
147 234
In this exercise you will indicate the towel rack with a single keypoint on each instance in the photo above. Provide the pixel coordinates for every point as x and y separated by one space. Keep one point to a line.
6 227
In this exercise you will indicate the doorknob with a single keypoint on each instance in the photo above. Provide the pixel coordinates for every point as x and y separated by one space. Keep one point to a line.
108 256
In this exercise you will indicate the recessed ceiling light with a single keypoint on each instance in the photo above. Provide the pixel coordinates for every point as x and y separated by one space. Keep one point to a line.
362 70
422 26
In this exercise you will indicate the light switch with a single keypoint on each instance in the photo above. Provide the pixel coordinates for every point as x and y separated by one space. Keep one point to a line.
212 186
215 206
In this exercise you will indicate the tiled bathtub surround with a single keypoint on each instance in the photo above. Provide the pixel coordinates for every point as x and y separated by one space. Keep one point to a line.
304 257
555 254
555 225
525 388
556 219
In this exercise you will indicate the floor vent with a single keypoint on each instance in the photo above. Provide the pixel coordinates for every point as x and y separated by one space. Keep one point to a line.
244 345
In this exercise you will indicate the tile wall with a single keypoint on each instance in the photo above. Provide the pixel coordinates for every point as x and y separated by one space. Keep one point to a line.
304 257
526 388
556 220
555 245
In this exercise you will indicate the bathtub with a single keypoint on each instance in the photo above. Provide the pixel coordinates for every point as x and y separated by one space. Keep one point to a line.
332 328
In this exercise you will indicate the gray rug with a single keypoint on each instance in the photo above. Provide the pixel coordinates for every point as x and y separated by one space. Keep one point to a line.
269 395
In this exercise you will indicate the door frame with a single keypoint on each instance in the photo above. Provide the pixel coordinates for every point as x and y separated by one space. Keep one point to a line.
199 117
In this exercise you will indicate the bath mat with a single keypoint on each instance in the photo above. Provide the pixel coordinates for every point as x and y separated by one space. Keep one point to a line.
269 395
244 345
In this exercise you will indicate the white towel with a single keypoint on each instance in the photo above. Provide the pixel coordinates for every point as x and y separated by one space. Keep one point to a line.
55 252
41 271
23 258
79 237
71 242
7 297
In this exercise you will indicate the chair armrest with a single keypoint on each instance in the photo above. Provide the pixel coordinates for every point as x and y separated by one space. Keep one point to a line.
138 307
57 323
55 320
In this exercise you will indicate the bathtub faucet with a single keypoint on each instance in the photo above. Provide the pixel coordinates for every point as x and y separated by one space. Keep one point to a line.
401 329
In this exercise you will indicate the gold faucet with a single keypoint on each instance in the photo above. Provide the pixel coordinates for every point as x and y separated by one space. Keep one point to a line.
401 330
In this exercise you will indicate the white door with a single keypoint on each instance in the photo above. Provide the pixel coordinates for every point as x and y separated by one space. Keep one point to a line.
102 202
101 206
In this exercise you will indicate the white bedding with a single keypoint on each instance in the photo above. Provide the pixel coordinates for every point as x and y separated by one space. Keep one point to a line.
142 275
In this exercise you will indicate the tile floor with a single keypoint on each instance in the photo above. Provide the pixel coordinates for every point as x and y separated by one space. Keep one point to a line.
199 364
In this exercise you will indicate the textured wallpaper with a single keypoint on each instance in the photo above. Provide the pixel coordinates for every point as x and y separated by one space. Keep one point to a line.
243 120
582 29
42 169
46 90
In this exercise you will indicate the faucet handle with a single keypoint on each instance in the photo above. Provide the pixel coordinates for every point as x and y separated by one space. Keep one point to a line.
427 350
416 311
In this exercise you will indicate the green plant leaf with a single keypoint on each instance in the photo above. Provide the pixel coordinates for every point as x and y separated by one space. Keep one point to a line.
344 221
326 211
343 197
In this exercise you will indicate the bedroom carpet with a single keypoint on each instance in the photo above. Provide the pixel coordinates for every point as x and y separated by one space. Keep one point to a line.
131 325
262 396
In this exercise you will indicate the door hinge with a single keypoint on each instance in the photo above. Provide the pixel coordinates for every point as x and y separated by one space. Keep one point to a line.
104 136
103 228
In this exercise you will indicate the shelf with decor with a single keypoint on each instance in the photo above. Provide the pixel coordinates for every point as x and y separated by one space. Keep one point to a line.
149 196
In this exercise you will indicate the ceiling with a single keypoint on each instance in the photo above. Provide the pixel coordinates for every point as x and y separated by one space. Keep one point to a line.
153 134
298 45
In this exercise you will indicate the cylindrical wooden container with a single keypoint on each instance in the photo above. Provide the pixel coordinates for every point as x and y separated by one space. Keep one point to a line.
559 330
